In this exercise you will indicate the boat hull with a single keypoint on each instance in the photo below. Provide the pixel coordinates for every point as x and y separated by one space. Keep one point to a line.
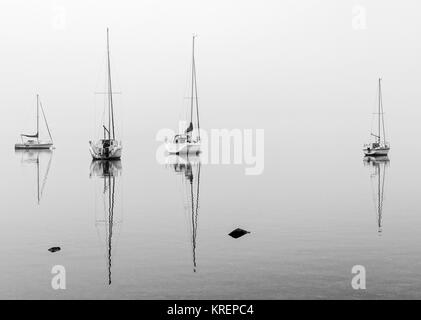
183 148
33 146
113 157
100 153
377 152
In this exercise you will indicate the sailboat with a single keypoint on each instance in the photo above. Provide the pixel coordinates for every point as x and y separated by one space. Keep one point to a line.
378 182
108 171
107 148
33 156
380 147
32 141
189 168
185 142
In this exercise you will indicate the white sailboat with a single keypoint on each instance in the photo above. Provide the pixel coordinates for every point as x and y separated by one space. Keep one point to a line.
380 147
32 141
107 148
185 143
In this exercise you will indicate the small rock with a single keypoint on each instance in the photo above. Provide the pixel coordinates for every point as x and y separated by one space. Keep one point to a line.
237 233
54 249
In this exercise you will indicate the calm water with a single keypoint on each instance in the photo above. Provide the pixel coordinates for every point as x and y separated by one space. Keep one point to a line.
300 70
312 216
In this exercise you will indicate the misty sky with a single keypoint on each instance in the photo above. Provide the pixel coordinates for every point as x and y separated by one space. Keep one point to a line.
295 68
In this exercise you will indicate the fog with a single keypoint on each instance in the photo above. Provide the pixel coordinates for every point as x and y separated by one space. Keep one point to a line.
288 67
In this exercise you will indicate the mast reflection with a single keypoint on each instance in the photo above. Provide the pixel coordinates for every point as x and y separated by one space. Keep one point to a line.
189 167
378 177
108 171
34 157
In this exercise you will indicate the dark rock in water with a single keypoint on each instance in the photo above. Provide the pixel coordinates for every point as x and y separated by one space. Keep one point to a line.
54 249
237 233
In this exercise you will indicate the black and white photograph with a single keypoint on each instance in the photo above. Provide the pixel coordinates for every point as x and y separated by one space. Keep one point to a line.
221 150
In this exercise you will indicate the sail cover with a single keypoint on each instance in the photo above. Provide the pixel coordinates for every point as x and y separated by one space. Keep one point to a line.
30 135
190 128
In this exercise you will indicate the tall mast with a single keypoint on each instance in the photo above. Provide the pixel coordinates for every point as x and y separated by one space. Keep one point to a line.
110 94
37 117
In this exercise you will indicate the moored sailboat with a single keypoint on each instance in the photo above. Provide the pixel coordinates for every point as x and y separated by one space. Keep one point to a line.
107 148
32 141
380 147
186 143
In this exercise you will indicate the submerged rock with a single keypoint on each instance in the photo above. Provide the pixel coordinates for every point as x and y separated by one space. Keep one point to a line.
237 233
54 249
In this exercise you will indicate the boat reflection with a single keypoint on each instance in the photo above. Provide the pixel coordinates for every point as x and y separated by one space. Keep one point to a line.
378 177
108 211
188 167
37 157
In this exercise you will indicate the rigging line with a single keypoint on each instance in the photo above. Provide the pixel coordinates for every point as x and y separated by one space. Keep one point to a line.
198 191
192 84
197 99
382 192
374 106
103 104
110 87
94 110
46 174
104 205
117 121
373 189
197 210
104 191
38 178
184 110
37 117
384 130
45 120
104 107
184 178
